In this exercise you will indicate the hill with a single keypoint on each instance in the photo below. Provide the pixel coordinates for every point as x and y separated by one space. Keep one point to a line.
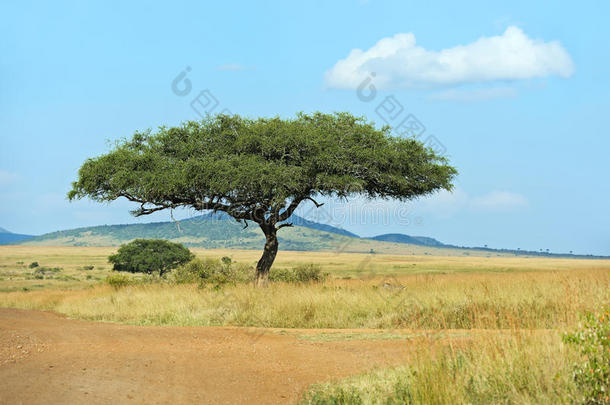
208 231
214 231
7 237
414 240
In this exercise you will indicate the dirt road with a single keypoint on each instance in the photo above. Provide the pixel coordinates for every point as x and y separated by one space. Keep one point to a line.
48 359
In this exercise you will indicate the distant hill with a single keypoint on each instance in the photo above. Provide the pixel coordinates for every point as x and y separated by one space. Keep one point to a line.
294 219
414 240
213 230
7 237
216 231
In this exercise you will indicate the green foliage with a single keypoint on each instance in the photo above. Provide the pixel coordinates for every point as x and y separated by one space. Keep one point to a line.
46 272
308 273
262 169
150 256
282 275
237 164
118 280
593 341
507 370
33 265
213 271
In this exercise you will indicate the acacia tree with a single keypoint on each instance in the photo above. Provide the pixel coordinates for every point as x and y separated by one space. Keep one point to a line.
260 170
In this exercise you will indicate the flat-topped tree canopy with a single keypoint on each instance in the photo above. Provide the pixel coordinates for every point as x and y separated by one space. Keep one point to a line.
261 169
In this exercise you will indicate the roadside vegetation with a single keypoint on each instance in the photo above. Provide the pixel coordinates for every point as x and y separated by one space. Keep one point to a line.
520 300
495 330
520 368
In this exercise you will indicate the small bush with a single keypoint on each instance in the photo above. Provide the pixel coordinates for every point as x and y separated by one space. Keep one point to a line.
593 341
33 265
282 275
88 267
118 280
150 256
46 271
309 273
213 271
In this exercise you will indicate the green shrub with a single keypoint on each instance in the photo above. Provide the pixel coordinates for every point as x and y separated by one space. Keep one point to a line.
282 275
213 271
88 267
592 374
33 265
46 271
150 256
118 280
308 273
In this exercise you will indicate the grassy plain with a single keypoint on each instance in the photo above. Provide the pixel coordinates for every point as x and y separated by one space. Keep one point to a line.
505 314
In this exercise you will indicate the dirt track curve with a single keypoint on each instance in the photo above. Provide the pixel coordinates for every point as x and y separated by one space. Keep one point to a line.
48 359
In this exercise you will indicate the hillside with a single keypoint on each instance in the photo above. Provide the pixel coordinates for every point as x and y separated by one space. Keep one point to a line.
414 240
207 231
7 237
214 231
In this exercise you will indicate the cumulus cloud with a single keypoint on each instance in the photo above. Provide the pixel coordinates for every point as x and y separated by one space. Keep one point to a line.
399 62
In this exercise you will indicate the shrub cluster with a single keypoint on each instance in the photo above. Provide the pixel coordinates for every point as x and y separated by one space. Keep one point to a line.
593 340
118 280
308 273
213 271
42 272
150 256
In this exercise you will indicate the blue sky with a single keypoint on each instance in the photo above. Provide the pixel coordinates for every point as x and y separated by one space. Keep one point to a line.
515 95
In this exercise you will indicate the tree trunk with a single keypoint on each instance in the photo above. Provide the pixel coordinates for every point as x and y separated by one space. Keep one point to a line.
264 264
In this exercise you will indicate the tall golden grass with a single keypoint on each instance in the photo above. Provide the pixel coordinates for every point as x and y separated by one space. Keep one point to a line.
512 311
521 368
523 300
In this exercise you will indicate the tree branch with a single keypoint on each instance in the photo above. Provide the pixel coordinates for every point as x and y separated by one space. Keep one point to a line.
286 224
318 205
290 209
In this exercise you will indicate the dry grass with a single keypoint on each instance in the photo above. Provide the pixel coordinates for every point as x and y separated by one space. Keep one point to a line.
14 261
521 368
523 304
544 299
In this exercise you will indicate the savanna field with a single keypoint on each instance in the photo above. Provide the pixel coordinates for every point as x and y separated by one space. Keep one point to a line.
483 329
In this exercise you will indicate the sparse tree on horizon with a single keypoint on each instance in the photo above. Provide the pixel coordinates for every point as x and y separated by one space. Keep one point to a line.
260 170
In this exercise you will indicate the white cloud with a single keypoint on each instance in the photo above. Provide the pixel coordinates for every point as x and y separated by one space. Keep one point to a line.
231 67
399 62
475 94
